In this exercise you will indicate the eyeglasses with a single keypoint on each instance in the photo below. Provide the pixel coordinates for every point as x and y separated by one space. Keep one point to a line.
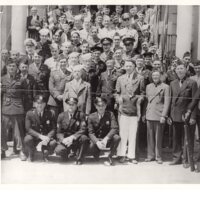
126 19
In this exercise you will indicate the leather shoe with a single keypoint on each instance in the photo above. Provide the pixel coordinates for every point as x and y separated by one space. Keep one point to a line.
46 156
109 162
175 162
78 162
122 159
149 159
23 157
159 162
133 161
3 154
186 165
31 157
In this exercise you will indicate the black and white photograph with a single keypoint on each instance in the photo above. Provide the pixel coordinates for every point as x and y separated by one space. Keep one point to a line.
100 93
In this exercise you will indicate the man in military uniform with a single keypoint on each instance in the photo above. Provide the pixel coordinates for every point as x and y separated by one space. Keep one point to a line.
103 131
128 42
12 109
40 128
107 53
71 130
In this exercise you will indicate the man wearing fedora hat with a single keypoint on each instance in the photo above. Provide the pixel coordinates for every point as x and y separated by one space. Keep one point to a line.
103 130
71 130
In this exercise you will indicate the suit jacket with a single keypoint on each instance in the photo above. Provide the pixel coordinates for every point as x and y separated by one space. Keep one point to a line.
45 49
104 57
158 101
57 83
36 126
75 126
181 97
33 33
195 100
82 93
107 126
13 91
41 76
129 92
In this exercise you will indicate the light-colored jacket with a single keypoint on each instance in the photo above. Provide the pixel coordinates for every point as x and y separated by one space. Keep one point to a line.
82 93
158 101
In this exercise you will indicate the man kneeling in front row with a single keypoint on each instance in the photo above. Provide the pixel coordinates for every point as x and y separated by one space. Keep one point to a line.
41 128
71 130
103 131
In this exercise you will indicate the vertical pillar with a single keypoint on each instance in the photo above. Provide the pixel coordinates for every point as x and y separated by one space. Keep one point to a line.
184 29
198 46
18 27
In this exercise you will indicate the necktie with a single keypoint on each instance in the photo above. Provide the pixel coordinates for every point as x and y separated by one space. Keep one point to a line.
40 116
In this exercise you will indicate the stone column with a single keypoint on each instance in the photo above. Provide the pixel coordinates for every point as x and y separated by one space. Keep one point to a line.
184 30
18 28
198 46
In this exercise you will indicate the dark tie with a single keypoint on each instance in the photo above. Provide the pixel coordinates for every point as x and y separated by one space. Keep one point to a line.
40 116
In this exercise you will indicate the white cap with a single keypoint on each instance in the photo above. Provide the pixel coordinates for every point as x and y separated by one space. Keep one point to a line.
78 67
30 42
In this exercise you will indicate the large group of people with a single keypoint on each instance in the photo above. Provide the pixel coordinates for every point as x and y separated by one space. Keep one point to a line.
90 83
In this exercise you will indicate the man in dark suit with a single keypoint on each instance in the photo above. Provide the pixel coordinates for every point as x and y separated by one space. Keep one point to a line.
29 84
71 129
41 74
182 91
12 109
40 128
33 24
106 86
103 130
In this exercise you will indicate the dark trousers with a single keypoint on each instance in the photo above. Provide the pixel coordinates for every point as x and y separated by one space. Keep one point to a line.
112 143
179 140
31 142
79 146
154 139
198 124
16 123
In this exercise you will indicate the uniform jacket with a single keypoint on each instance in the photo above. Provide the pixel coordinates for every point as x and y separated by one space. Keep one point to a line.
82 93
129 92
104 56
158 101
57 83
36 126
181 97
75 126
97 128
30 91
13 92
195 100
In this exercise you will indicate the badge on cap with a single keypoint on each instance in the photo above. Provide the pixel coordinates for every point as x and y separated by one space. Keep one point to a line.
107 123
77 123
47 122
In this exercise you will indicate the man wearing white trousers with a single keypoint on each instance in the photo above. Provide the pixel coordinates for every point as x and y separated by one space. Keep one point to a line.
130 90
